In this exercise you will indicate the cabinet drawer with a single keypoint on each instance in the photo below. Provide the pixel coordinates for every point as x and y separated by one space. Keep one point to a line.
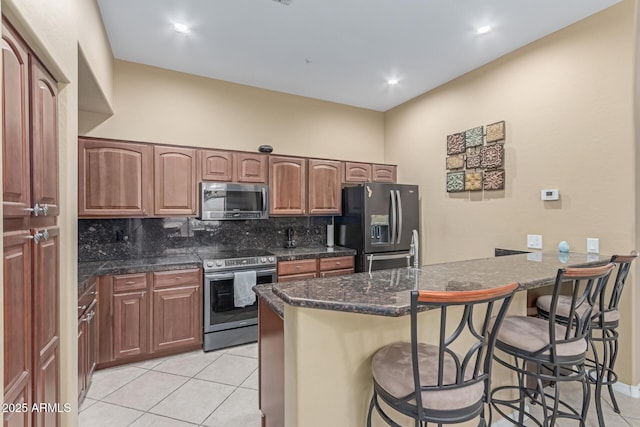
336 263
165 279
129 282
296 267
292 277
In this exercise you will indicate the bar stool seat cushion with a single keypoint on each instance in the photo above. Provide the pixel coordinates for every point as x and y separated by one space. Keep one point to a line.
543 303
392 370
531 334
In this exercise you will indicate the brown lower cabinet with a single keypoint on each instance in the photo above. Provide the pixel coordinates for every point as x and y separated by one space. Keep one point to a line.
270 366
311 268
147 315
87 339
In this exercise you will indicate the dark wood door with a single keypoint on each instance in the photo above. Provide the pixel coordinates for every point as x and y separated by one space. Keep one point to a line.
175 181
114 178
46 328
384 173
216 165
130 322
250 168
176 317
17 324
44 138
325 187
16 186
357 172
287 186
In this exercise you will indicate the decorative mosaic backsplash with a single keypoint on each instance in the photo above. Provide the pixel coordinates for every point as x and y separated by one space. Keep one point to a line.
475 159
109 239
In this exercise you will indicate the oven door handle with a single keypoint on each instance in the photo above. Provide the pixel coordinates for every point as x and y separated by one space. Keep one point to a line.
226 276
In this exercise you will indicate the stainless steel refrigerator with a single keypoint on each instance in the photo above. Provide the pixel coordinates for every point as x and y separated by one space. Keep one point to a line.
377 220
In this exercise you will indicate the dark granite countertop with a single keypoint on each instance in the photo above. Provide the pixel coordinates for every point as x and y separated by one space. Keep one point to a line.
310 252
386 292
266 293
178 259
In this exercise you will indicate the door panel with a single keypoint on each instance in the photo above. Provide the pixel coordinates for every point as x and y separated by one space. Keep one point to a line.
44 137
325 182
129 324
409 206
176 317
175 181
380 218
216 165
250 168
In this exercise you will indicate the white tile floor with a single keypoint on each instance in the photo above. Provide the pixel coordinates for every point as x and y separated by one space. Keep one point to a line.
220 389
205 389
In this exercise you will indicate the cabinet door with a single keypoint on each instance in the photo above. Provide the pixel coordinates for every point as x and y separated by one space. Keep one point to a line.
216 165
130 324
293 277
91 341
287 186
175 181
46 324
17 322
82 358
177 320
44 138
114 178
325 184
342 272
16 187
384 173
357 172
250 167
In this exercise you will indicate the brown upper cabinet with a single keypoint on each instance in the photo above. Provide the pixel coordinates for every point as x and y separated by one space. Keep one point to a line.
325 183
287 185
367 172
114 178
228 166
175 181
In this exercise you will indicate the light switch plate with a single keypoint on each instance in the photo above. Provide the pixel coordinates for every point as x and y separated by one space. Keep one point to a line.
534 241
550 194
593 245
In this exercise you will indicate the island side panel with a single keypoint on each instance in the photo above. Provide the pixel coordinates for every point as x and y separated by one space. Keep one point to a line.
271 365
328 362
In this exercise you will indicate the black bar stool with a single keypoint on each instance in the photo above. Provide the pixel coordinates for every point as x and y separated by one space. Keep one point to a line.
603 336
550 350
434 383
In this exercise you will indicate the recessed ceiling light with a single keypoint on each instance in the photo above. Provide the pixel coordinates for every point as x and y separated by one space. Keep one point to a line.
392 82
181 28
484 30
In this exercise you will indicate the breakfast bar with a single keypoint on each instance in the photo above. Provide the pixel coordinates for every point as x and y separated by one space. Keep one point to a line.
333 326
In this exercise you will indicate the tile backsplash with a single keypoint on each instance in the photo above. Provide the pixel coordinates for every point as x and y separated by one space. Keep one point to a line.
109 239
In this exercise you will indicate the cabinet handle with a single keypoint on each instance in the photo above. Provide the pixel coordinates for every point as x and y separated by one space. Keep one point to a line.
82 307
45 234
93 293
177 278
297 267
130 282
36 238
37 209
338 263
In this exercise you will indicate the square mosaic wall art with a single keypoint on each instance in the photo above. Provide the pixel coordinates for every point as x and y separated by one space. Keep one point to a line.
495 132
455 182
473 160
474 137
455 143
473 181
492 156
494 180
455 162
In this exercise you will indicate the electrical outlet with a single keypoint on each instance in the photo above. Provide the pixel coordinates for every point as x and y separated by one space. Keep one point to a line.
534 241
593 245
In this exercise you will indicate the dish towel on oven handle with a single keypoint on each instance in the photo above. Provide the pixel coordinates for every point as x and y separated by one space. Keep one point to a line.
243 281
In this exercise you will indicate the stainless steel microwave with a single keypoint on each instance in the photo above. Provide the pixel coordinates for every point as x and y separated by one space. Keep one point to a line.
222 201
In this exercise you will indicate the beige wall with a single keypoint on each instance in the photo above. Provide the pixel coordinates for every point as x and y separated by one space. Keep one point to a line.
157 105
50 28
568 105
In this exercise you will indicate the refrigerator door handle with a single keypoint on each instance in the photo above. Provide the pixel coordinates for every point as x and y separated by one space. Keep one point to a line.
393 217
399 216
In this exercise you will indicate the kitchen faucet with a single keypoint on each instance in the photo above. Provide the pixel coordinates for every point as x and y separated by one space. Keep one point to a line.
415 248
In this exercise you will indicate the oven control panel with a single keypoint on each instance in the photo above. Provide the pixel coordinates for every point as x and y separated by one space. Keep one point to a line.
239 262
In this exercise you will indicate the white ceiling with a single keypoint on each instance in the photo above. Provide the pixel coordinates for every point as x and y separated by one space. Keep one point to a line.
354 46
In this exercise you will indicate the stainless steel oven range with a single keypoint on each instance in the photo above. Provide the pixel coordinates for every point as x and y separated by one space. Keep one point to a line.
226 275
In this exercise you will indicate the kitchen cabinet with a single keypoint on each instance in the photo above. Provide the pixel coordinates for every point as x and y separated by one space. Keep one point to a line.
384 173
355 172
177 313
87 339
312 268
229 166
325 187
287 185
175 182
147 315
270 366
30 251
115 179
